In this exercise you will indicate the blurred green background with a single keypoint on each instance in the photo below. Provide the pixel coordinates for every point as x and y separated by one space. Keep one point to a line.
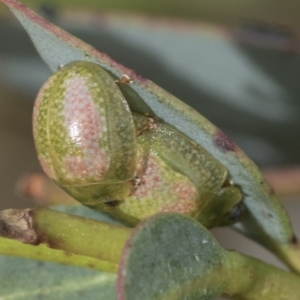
236 62
229 12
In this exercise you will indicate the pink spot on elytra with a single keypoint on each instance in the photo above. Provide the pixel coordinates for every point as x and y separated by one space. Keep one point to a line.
150 180
164 191
84 167
184 191
85 127
180 207
186 196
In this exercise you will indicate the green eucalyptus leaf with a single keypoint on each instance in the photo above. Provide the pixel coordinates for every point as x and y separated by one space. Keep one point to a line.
266 221
172 257
29 279
169 257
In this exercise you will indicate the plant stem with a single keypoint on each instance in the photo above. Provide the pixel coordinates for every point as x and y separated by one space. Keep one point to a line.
290 255
73 234
247 278
80 235
44 253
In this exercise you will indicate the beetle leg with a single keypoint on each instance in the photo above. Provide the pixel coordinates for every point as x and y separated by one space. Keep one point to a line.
143 123
224 209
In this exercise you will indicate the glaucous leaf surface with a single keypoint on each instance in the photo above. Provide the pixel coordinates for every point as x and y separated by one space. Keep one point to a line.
170 257
29 279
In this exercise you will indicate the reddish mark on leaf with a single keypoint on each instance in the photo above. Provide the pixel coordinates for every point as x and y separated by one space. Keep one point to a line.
224 143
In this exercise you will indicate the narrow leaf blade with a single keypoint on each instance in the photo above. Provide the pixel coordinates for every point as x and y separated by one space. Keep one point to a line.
30 279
